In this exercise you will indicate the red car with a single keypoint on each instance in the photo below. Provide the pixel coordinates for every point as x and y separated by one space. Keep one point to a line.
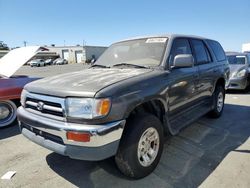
11 86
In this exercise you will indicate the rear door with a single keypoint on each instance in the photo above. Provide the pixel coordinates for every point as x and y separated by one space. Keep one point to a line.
183 81
206 69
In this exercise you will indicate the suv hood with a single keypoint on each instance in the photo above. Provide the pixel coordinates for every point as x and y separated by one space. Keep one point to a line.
84 83
16 58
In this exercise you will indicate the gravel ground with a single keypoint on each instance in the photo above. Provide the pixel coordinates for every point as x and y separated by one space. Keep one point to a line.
208 153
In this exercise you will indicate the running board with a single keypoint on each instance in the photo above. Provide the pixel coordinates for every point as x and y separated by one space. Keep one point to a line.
180 121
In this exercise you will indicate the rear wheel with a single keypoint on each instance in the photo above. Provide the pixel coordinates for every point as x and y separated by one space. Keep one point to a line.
218 101
7 113
141 146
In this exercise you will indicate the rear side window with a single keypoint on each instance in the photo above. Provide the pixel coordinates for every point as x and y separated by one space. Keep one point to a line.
248 58
200 51
217 50
180 46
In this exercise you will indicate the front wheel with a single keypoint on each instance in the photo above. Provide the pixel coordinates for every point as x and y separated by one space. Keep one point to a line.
218 102
141 146
7 113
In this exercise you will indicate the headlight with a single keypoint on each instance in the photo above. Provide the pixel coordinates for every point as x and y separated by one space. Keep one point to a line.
23 97
87 108
241 73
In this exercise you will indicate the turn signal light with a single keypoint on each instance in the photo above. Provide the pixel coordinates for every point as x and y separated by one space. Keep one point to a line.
78 136
103 107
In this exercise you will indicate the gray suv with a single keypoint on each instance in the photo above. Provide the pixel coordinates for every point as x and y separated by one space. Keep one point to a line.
137 92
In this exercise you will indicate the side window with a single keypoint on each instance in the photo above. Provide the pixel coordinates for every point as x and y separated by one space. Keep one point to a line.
180 46
248 59
201 52
217 50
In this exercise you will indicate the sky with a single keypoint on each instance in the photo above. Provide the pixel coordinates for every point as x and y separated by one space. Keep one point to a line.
96 22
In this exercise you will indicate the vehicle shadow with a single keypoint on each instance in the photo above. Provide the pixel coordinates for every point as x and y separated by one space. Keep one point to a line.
245 91
6 132
187 160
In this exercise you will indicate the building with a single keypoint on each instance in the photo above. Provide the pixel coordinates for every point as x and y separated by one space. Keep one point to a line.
46 55
77 54
246 47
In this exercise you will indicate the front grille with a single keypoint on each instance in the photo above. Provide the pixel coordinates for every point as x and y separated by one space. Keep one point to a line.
46 107
43 134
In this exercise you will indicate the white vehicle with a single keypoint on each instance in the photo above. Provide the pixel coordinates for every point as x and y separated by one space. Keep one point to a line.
60 61
37 63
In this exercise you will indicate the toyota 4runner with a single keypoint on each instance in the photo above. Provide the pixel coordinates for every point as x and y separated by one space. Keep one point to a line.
137 92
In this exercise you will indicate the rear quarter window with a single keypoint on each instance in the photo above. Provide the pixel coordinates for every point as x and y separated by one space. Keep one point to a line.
217 50
248 58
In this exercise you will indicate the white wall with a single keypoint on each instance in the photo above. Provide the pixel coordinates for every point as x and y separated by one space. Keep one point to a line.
71 50
246 47
87 51
94 50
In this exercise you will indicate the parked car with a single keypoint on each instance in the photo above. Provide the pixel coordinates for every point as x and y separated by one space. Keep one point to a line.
138 91
11 86
48 62
239 64
37 63
60 61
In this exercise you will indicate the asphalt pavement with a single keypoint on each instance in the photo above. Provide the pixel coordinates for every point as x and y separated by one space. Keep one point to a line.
208 153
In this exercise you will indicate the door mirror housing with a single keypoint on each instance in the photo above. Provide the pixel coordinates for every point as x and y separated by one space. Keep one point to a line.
183 60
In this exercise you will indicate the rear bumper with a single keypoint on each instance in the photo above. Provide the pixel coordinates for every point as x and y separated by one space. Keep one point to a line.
51 134
238 83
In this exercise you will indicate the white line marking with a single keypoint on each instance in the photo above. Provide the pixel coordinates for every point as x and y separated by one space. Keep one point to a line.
8 175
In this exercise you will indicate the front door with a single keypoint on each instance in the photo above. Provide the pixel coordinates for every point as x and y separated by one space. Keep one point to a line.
183 81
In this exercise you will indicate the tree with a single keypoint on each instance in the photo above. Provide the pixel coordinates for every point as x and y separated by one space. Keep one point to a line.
3 46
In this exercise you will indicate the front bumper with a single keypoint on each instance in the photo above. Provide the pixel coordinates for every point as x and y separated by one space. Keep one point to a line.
51 134
238 83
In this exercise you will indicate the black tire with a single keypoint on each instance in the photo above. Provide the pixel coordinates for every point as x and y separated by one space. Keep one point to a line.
127 157
7 113
217 111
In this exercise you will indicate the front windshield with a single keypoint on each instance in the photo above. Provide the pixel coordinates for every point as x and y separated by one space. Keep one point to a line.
236 60
141 52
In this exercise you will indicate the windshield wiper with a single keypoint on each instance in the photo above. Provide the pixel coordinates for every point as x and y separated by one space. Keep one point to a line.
102 66
130 65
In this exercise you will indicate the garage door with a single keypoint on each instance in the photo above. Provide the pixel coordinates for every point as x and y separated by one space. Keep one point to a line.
65 54
79 56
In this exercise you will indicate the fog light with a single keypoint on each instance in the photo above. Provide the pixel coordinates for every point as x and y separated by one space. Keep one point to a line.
78 136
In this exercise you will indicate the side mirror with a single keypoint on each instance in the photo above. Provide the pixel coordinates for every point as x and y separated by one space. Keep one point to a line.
183 60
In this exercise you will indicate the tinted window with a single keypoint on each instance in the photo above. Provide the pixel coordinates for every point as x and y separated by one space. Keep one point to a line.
201 53
236 60
217 50
180 46
248 59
